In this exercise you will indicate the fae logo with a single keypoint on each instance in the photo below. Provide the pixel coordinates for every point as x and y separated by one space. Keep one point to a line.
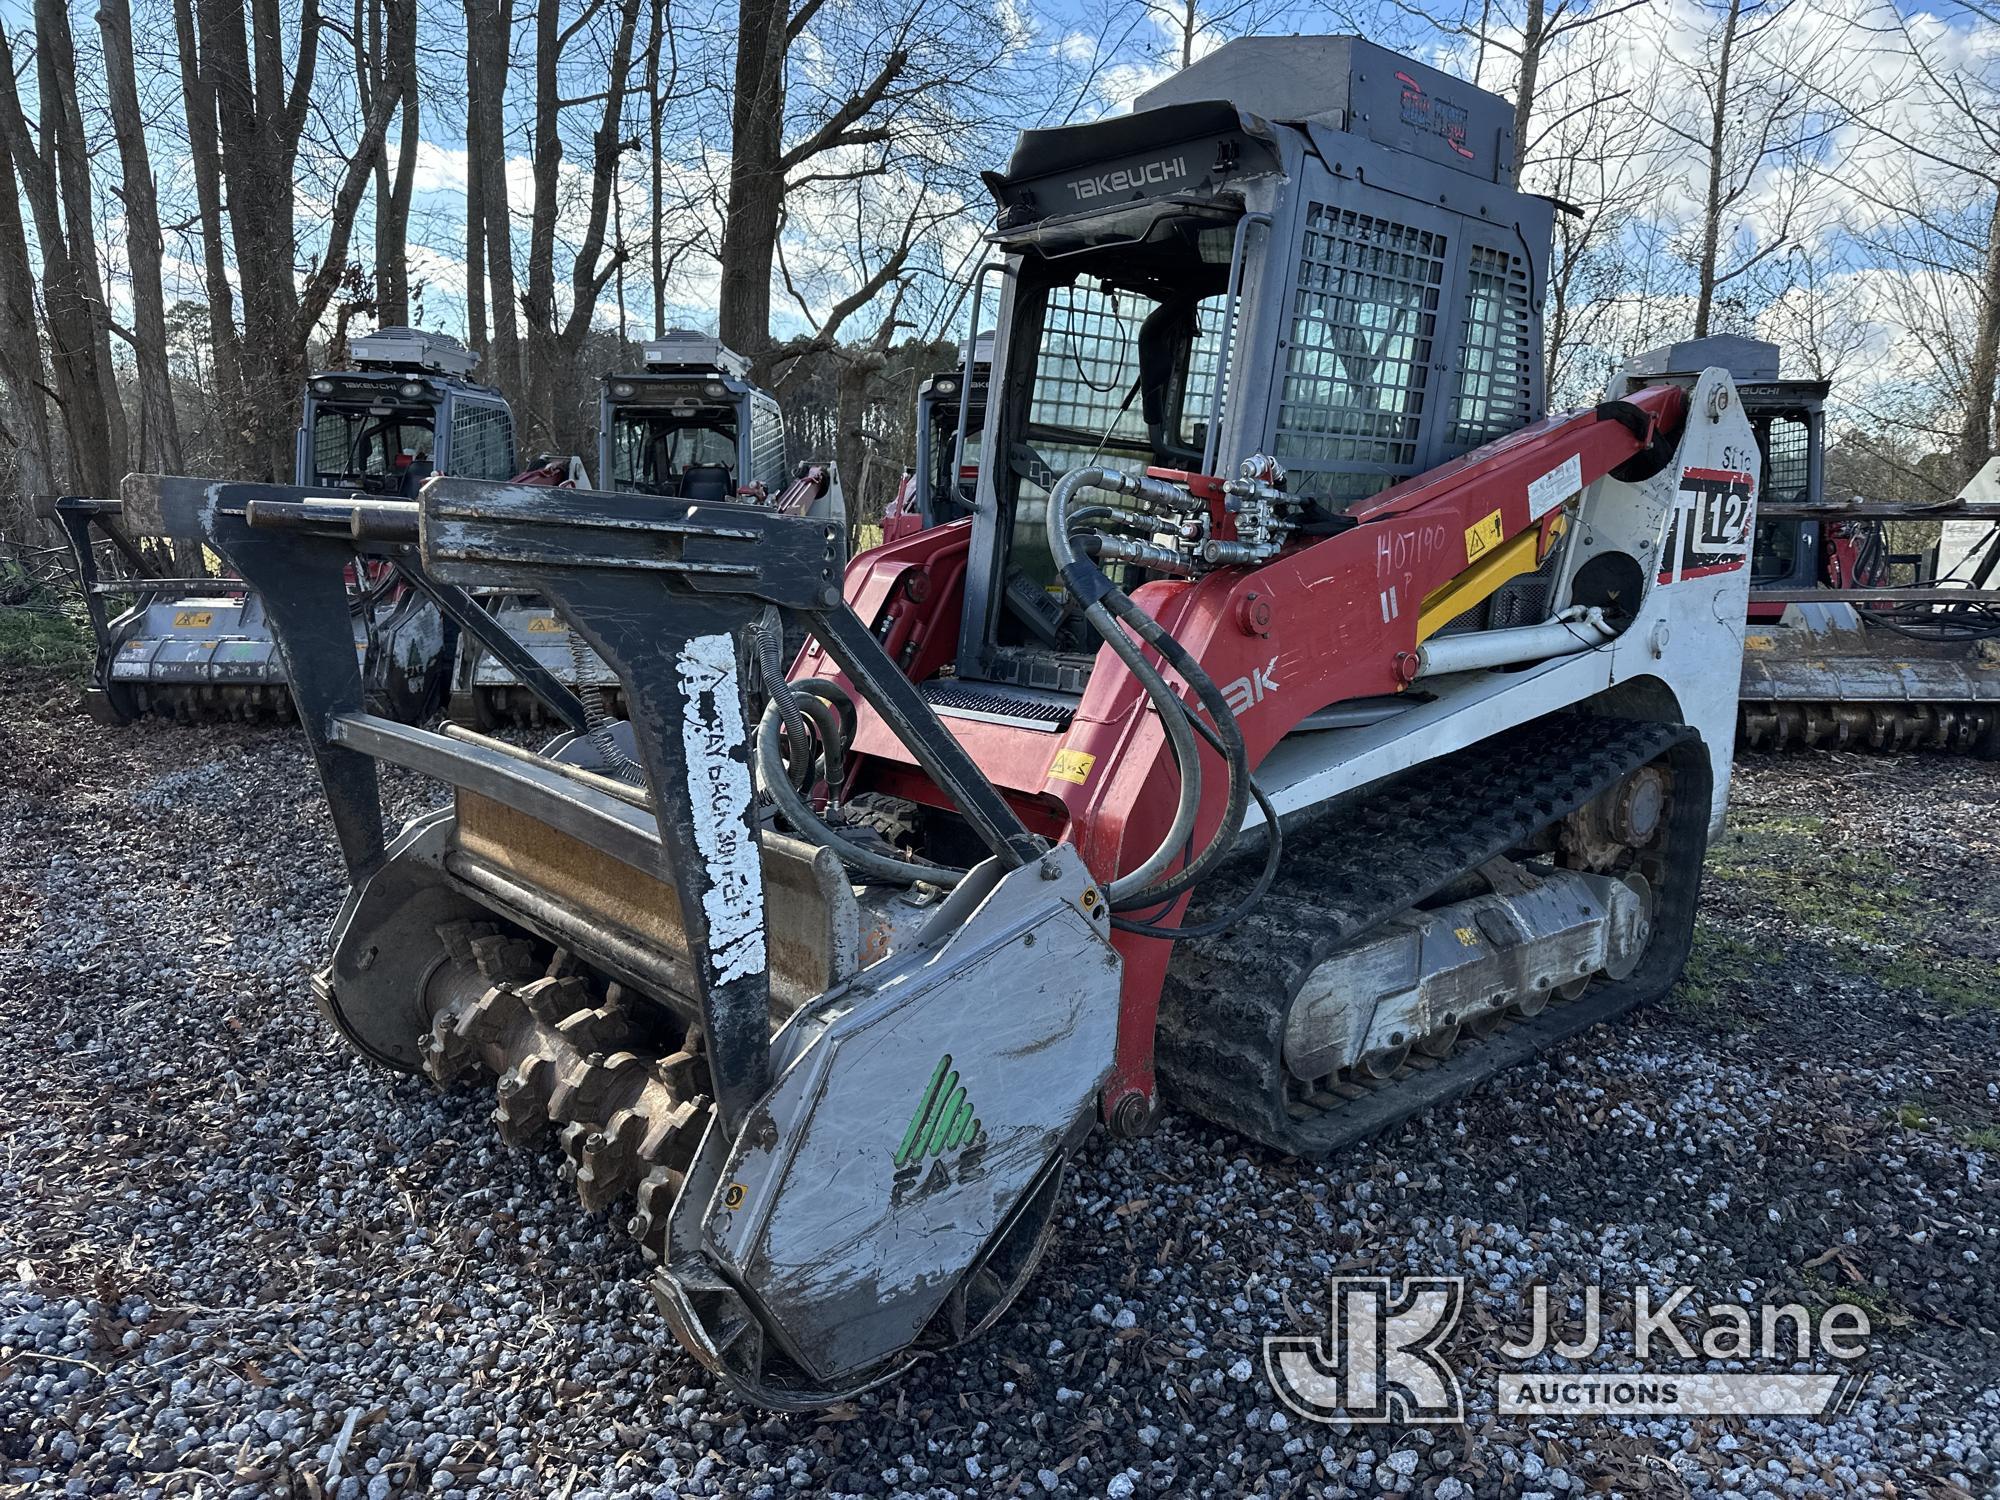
1378 1360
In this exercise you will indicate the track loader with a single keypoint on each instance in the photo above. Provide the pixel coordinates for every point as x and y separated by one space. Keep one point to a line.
689 426
1839 654
1303 728
203 647
939 485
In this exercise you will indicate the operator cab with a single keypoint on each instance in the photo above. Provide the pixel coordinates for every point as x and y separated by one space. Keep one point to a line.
1301 247
691 426
405 411
941 485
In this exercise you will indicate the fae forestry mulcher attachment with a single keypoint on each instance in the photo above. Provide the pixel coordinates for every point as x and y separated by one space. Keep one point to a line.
827 1001
202 647
690 426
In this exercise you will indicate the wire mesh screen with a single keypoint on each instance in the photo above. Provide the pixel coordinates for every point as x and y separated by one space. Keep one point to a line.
482 445
1198 400
1785 467
767 444
1089 362
331 432
1495 376
1363 323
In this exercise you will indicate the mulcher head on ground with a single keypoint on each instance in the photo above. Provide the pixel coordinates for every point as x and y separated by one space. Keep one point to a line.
203 648
835 1115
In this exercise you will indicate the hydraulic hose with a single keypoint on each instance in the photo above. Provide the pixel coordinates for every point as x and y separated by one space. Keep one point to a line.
798 812
770 637
598 720
1105 605
1173 718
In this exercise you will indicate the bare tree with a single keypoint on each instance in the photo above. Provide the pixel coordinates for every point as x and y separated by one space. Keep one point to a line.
261 117
1756 117
24 412
556 336
898 88
205 163
385 33
159 428
51 160
489 222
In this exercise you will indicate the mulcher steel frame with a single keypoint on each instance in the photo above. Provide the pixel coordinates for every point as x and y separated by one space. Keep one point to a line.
637 585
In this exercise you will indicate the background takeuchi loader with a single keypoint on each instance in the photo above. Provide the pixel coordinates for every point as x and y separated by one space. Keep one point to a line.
189 647
1840 653
951 411
690 426
1303 728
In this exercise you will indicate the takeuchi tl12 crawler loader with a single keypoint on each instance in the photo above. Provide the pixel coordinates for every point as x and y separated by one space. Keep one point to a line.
203 647
940 484
690 426
1302 727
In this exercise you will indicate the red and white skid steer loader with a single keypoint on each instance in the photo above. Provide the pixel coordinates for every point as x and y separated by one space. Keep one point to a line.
1302 728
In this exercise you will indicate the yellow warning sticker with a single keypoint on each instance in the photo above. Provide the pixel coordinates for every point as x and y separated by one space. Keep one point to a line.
194 619
544 625
1482 536
1072 765
1466 936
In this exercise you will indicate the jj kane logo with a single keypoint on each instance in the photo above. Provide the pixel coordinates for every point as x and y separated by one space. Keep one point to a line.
1385 1357
1133 179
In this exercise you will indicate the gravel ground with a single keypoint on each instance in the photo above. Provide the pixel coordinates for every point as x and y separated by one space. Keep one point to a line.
235 1260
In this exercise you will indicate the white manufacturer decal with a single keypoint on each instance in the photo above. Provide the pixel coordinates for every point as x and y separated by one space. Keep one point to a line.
1130 179
1245 693
1554 487
718 773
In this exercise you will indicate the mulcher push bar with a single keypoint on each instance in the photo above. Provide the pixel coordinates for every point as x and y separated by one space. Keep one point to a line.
668 595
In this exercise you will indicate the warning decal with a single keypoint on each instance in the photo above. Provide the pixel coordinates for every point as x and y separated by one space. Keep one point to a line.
1483 536
1072 765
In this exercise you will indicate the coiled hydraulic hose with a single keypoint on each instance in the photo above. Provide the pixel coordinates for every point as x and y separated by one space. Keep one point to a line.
1105 607
799 813
597 719
769 633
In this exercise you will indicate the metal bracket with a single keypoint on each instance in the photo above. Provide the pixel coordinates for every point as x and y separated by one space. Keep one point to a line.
667 596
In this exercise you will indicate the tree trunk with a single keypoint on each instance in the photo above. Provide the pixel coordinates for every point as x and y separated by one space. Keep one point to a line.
756 194
21 372
1975 438
1532 42
261 119
205 157
393 48
146 246
489 30
70 310
475 199
656 112
63 123
1711 219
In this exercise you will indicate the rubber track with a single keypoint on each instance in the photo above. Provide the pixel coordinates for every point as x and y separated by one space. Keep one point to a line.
1375 853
